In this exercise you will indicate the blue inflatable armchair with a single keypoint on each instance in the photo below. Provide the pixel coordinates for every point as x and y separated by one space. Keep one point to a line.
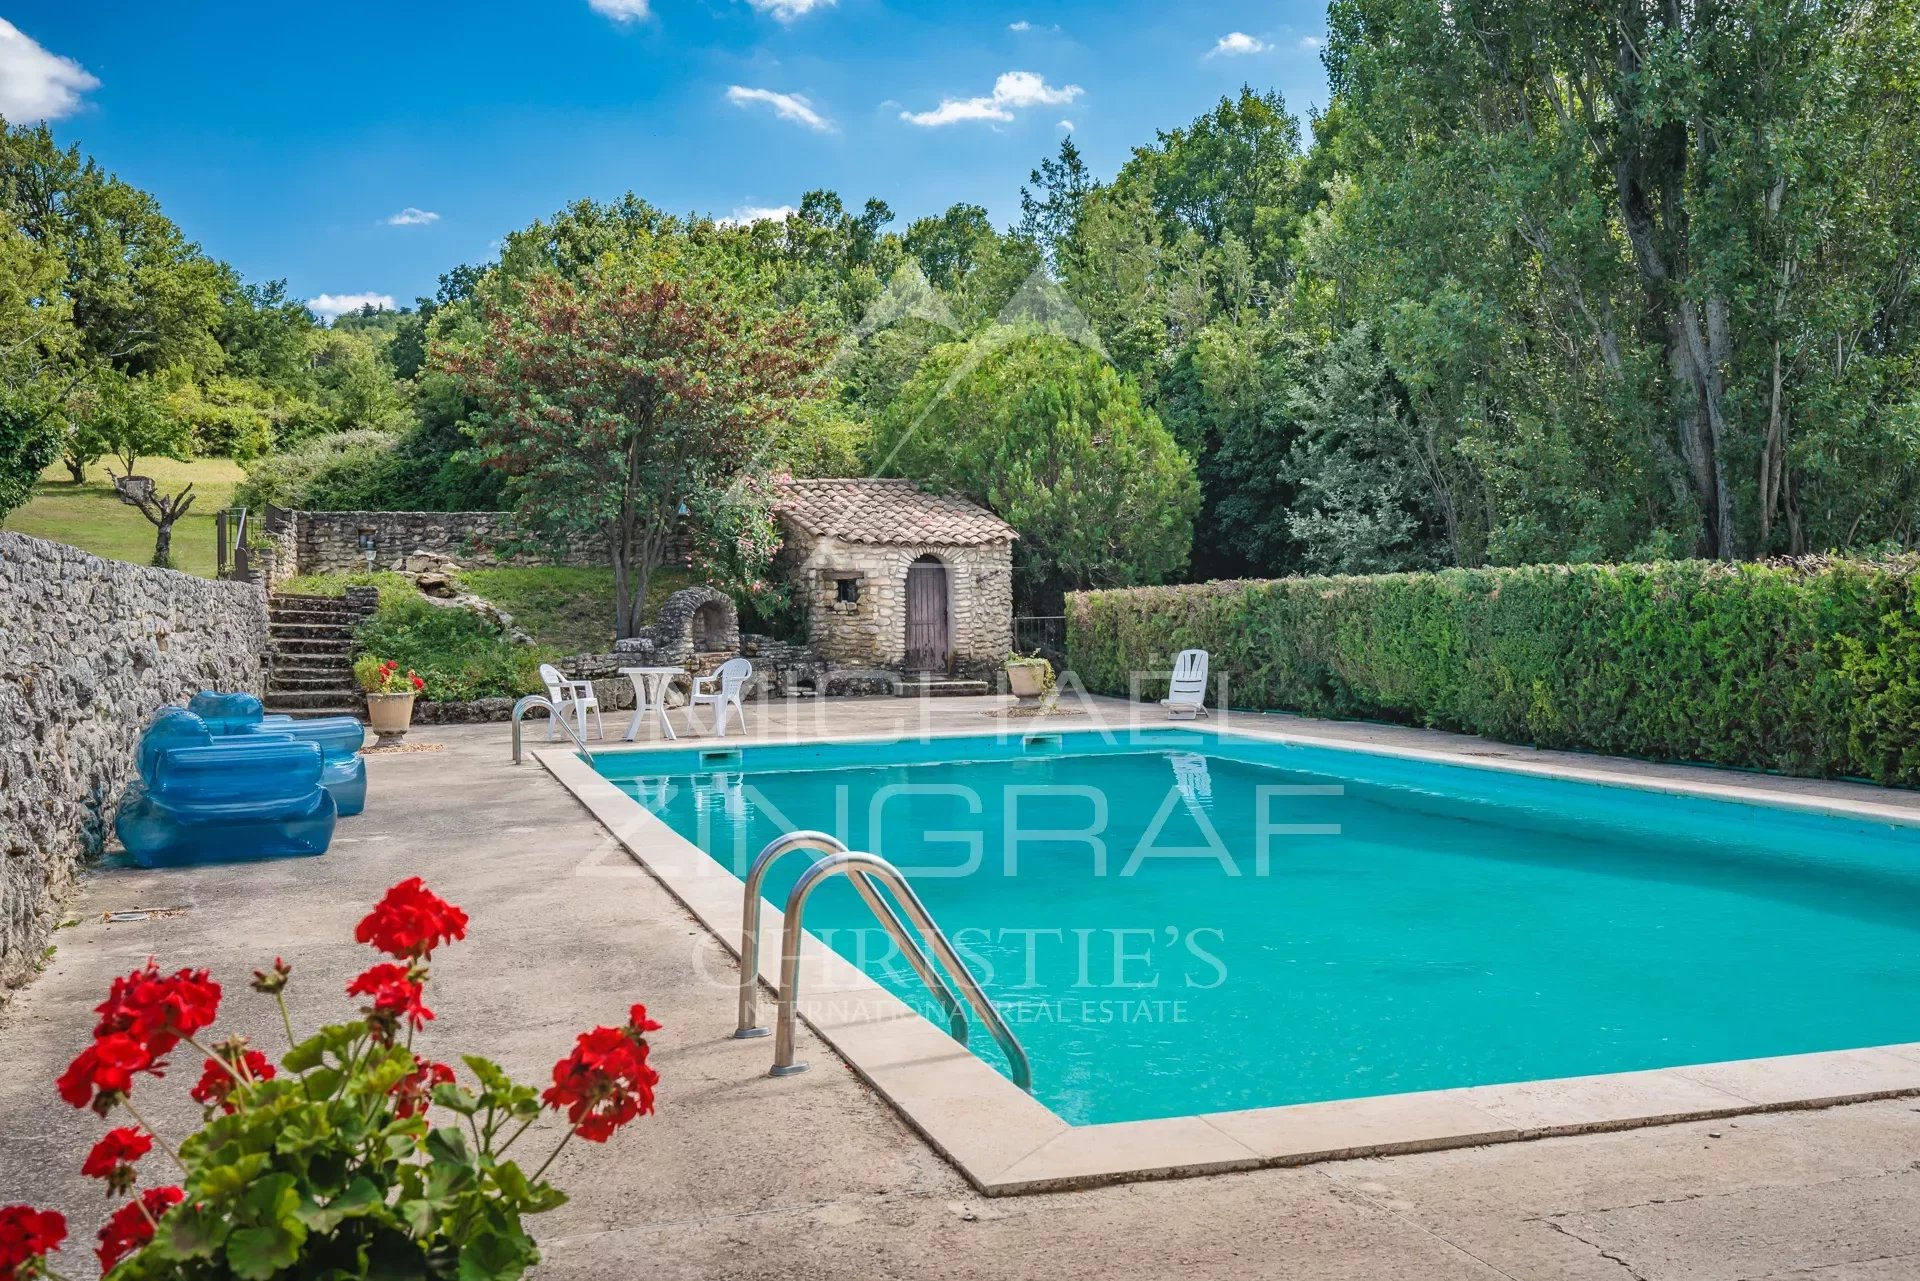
339 739
204 799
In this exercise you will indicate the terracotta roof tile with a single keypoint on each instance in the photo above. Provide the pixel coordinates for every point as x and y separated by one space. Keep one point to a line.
888 512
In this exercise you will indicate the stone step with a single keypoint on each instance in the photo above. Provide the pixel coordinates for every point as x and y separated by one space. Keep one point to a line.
310 631
338 673
314 617
299 682
940 687
304 648
355 710
308 700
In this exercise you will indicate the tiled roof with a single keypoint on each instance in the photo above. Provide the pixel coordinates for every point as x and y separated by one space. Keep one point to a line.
888 511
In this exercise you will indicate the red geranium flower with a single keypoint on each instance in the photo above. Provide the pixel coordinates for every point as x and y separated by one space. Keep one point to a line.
606 1081
158 1009
113 1156
27 1234
216 1084
418 684
102 1074
415 1090
132 1224
411 921
396 991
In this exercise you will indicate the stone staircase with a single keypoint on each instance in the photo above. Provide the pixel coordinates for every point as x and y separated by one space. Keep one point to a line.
312 664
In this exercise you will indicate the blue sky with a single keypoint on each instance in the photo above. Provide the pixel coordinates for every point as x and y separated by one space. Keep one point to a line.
362 149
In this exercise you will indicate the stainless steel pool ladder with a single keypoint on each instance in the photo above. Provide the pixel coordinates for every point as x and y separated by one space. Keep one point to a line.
864 870
532 701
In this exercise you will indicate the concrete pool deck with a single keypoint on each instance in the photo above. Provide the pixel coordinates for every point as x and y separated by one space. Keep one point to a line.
743 1176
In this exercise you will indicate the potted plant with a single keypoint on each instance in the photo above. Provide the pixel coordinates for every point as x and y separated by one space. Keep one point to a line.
389 696
355 1155
1030 677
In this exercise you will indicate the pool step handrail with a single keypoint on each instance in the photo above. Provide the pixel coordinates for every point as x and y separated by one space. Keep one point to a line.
858 863
877 903
532 701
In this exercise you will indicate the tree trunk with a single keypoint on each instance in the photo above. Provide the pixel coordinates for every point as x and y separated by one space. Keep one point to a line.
163 543
75 469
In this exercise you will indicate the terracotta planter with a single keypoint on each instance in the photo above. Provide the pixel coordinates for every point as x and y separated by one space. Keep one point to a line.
390 715
1028 681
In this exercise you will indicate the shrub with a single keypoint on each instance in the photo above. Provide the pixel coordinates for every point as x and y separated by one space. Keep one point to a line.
458 654
294 478
1809 667
355 1157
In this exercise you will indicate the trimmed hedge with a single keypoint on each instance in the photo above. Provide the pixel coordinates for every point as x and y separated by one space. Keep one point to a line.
1808 667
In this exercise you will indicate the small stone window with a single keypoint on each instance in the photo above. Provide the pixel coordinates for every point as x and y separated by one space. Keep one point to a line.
846 591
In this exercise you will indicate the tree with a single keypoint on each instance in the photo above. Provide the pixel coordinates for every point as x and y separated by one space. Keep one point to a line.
37 342
612 399
1047 435
1362 502
1050 212
1682 239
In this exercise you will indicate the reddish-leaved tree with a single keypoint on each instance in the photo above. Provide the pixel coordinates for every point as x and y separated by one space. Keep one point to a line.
613 399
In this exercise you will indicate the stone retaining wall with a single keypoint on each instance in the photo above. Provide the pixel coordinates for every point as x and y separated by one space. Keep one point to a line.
88 648
330 542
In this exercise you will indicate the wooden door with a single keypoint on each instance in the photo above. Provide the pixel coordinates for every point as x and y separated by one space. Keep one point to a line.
927 626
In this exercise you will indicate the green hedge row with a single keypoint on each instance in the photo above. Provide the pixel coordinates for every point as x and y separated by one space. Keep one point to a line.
1810 667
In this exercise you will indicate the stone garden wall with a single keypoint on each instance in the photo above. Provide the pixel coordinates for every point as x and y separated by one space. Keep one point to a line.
88 648
330 542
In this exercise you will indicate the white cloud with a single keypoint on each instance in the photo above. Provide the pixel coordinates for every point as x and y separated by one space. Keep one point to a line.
35 84
757 213
1023 27
1235 43
1067 125
788 10
621 10
788 106
327 306
1014 89
411 217
1311 43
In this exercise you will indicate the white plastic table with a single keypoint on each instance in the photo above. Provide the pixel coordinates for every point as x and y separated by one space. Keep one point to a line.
650 686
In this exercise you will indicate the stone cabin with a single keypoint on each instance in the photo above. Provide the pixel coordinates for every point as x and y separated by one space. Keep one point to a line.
895 578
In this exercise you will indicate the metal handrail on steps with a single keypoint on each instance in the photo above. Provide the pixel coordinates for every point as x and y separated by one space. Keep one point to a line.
823 843
527 704
858 863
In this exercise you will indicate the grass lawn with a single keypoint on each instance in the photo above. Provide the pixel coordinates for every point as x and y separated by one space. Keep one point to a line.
91 516
569 609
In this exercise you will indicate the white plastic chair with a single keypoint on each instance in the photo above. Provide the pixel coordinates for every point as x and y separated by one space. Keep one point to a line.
1186 697
721 690
570 696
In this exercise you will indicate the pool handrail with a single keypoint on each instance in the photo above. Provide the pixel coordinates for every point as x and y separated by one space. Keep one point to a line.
826 843
532 701
859 863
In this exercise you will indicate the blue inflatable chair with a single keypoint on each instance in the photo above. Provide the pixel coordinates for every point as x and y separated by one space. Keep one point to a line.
199 799
339 739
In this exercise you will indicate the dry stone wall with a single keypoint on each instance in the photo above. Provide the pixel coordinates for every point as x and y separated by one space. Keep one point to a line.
332 542
88 648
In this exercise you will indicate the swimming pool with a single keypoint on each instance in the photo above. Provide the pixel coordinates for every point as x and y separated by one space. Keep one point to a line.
1179 922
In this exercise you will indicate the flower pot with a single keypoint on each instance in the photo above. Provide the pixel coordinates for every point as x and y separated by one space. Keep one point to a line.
390 715
1028 681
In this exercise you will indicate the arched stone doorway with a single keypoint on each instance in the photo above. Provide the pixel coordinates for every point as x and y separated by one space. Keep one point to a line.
929 623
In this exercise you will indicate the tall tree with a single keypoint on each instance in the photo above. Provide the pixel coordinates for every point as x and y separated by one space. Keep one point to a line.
614 398
1050 210
1047 435
1680 231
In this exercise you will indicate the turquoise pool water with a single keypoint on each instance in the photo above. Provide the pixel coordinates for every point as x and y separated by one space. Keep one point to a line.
1186 922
